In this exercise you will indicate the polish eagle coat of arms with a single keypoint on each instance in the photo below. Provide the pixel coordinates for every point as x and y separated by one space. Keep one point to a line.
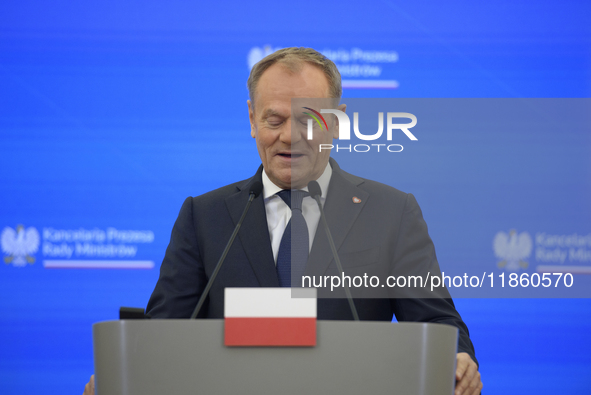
19 245
512 249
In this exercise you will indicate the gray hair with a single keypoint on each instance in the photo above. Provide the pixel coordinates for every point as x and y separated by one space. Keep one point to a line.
293 58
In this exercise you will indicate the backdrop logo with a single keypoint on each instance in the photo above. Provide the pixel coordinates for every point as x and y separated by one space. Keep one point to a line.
345 130
561 248
513 249
359 68
19 245
257 54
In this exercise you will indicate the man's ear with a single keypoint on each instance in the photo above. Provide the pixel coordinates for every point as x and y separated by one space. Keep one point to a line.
343 108
251 118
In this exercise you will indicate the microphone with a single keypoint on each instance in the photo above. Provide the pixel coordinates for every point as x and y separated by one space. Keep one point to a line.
315 193
255 190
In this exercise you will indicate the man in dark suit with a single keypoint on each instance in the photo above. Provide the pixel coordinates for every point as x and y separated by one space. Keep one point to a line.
374 226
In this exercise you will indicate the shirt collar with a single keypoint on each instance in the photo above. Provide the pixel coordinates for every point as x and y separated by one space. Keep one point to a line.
270 189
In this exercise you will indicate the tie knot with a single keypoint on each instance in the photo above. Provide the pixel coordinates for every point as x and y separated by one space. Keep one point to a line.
293 198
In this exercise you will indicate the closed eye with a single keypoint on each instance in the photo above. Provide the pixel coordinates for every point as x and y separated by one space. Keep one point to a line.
275 121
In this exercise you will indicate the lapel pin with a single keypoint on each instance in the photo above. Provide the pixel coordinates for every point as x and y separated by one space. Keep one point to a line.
356 199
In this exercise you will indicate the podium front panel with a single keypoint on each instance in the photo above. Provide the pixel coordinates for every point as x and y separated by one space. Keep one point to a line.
170 357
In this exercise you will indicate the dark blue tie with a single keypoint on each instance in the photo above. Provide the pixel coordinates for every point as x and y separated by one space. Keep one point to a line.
295 243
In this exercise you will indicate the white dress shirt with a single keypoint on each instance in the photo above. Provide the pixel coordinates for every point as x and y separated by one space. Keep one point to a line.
279 213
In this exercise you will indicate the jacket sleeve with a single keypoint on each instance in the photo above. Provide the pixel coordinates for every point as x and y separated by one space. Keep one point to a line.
182 275
415 254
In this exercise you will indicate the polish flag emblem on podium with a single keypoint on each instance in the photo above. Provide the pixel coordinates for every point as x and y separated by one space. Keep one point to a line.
270 317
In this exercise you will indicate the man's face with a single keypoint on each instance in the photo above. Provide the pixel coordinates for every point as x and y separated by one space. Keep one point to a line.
289 159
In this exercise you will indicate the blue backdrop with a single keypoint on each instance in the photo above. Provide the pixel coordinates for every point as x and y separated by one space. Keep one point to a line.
112 113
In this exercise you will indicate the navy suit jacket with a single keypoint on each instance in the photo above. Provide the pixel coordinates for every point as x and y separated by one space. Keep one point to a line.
382 228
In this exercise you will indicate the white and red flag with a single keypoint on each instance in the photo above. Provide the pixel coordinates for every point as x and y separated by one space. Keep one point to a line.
270 317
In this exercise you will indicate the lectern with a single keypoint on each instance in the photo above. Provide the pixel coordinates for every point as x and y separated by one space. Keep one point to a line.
174 357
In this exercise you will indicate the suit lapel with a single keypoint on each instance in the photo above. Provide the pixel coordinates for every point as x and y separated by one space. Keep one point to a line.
341 212
254 232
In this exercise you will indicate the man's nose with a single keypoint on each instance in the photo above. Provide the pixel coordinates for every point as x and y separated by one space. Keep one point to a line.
291 134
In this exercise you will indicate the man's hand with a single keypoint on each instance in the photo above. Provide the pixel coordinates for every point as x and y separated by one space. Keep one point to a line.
467 376
89 388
